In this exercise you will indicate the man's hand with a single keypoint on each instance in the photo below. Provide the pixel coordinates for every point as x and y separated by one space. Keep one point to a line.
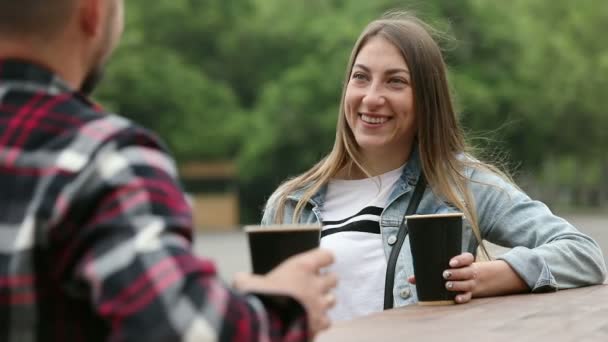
301 278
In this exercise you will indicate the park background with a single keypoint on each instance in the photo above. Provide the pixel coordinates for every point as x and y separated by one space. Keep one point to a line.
245 92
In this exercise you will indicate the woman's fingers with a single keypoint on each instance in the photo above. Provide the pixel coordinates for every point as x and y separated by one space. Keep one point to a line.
462 260
460 286
463 298
464 273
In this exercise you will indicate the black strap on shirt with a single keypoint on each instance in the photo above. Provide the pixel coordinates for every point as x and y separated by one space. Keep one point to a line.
392 260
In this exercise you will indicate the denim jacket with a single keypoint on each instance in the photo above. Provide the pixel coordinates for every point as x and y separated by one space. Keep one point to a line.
547 252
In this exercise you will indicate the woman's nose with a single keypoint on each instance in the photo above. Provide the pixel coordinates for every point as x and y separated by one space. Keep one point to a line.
374 97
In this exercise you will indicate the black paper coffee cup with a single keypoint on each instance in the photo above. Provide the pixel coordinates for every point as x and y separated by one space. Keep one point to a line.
271 245
434 240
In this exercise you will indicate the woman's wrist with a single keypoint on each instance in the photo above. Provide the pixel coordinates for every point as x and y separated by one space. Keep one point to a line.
497 278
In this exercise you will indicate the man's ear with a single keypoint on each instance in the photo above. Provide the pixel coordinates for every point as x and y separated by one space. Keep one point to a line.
90 16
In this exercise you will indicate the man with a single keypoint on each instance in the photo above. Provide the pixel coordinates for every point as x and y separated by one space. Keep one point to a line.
94 229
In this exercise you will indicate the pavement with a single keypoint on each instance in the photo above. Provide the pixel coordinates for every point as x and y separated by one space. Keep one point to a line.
230 251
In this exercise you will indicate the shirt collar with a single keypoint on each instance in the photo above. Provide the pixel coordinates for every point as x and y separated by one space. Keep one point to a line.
30 76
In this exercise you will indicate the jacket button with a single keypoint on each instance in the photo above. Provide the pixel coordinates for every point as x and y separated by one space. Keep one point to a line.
392 239
405 293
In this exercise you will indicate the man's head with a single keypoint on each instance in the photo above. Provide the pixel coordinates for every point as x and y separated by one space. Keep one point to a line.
19 18
78 33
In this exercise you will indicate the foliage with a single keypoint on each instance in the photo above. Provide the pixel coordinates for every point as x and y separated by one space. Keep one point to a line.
259 81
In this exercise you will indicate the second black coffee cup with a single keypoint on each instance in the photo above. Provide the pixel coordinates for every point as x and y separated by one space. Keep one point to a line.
434 240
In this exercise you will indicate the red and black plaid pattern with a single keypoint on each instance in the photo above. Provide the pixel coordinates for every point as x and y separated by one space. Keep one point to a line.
95 232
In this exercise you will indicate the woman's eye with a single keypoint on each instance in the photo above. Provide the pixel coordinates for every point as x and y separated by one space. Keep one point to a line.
359 76
398 81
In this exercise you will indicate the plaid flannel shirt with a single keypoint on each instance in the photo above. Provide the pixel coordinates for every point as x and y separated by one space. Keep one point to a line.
95 232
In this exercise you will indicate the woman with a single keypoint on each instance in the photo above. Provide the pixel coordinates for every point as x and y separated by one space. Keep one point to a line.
397 126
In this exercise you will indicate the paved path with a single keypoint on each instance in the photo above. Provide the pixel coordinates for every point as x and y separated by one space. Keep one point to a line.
231 253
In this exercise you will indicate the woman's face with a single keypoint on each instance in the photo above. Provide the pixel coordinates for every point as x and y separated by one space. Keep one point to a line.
378 102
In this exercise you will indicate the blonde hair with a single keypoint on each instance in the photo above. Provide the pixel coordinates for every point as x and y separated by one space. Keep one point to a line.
442 148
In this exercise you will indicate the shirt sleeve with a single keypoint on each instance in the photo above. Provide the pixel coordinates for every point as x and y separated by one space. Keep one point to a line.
131 246
547 252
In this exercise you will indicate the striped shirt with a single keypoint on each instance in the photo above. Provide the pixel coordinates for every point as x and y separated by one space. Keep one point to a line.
95 232
351 230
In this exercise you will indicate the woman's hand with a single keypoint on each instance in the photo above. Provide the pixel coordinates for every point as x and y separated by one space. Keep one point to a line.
462 277
480 279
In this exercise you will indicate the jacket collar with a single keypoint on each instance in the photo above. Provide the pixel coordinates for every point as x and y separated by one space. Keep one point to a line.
408 179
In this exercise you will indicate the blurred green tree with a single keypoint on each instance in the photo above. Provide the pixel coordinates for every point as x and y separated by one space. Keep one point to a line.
259 82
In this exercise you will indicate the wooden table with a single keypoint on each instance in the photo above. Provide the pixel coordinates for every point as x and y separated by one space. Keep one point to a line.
579 315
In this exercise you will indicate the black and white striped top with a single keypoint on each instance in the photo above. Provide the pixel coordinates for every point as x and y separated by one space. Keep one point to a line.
351 229
365 221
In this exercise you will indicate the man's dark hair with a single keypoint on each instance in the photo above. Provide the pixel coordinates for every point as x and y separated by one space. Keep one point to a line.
33 17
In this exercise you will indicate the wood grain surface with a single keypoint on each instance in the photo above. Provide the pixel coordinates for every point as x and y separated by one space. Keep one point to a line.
567 315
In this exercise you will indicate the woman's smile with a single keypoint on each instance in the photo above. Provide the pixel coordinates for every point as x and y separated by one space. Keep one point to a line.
373 120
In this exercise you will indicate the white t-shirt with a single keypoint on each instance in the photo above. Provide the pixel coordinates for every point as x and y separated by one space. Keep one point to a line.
351 230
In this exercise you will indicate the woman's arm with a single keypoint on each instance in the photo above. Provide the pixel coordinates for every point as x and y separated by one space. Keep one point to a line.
547 253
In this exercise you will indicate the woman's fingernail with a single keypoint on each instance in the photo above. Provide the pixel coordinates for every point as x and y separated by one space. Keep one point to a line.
449 285
453 262
447 274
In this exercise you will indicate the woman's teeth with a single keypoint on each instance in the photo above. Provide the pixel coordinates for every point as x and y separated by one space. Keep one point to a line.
374 119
